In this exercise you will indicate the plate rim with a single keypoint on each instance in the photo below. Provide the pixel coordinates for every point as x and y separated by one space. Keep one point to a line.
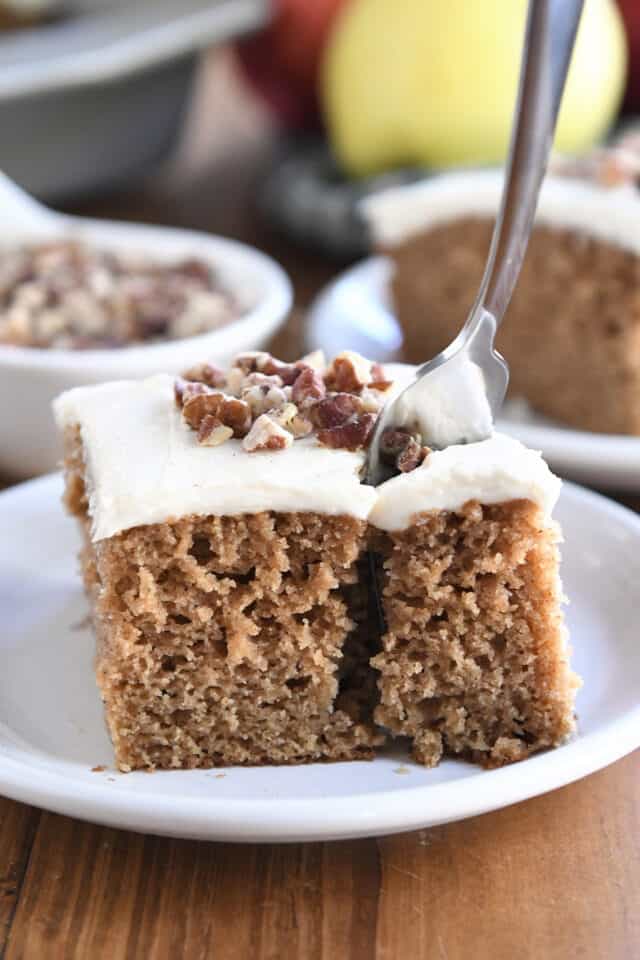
294 819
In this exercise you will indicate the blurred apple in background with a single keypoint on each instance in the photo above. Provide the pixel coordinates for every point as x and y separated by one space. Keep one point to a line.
630 10
433 83
281 62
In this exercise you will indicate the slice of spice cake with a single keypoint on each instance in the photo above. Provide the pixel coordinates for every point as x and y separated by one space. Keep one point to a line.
571 334
475 658
227 534
221 559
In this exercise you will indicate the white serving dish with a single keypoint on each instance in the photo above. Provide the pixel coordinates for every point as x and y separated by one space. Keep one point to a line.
31 378
55 752
97 97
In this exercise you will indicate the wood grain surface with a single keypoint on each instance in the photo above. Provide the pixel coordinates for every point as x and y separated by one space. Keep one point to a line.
555 878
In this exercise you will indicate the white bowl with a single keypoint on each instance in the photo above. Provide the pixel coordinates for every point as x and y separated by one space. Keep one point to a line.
30 378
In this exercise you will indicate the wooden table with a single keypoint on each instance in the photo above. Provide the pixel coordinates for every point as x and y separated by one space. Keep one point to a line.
554 878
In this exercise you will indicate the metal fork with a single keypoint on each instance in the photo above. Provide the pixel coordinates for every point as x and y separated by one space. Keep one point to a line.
455 397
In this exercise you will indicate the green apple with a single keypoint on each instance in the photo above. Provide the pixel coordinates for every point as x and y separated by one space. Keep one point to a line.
433 82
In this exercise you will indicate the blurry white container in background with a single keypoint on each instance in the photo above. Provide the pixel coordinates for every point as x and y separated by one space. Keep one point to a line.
95 95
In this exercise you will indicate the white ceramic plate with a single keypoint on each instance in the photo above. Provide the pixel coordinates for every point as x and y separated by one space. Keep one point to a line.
52 733
354 312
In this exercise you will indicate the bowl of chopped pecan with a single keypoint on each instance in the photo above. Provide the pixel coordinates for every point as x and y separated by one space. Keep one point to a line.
85 301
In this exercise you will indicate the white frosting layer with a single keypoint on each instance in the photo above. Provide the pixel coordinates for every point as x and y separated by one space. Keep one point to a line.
491 471
611 214
145 466
443 415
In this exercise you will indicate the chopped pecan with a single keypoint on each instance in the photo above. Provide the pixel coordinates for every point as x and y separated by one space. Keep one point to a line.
292 420
206 373
70 296
308 388
235 381
263 379
230 411
211 433
266 434
355 434
412 456
263 397
349 372
335 410
289 372
401 449
251 361
184 390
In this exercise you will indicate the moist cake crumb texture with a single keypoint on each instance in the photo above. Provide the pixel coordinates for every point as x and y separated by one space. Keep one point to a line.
251 636
474 660
230 640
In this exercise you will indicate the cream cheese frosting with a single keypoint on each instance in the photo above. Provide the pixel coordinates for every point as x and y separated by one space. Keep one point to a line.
490 471
144 465
441 415
398 213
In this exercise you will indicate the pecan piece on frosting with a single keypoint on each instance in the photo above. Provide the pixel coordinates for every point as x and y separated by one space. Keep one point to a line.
308 388
262 397
211 433
288 372
354 434
263 380
266 434
251 361
401 449
184 390
291 419
206 373
228 410
348 373
335 410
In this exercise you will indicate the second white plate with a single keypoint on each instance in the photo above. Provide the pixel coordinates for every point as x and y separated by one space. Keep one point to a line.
354 312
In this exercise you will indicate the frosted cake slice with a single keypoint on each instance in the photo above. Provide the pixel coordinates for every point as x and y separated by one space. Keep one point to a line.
226 557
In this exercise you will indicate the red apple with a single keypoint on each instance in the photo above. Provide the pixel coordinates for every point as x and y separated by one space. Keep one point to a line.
630 10
281 62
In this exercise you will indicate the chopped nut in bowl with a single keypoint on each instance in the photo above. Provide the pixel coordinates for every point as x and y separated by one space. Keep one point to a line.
86 302
67 295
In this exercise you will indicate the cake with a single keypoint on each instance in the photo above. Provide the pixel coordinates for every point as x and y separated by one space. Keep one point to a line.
571 334
234 561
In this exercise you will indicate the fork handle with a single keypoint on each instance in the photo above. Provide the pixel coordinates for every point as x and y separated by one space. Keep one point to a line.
548 43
